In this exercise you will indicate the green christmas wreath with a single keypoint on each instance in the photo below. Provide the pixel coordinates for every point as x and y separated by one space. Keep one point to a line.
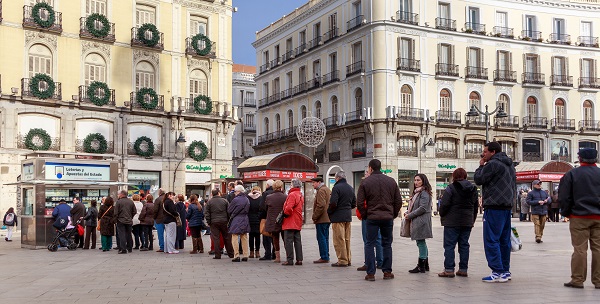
35 13
43 141
34 86
141 34
152 103
93 89
95 143
90 25
137 146
207 45
198 155
207 109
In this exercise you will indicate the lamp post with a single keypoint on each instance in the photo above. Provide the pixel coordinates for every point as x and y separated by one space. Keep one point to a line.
474 112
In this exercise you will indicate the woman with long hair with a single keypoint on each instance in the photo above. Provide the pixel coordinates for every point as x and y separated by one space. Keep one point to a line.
170 222
107 225
182 230
91 222
10 221
255 197
195 217
137 227
419 214
146 222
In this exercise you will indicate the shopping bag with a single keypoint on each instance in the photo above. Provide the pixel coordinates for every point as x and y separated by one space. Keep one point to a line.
515 241
405 228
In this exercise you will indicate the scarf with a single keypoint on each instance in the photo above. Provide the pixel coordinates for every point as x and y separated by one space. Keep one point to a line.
416 193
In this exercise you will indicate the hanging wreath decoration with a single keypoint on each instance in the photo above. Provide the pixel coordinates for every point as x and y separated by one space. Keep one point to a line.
207 109
152 103
198 155
90 25
141 34
35 13
144 146
207 45
38 139
95 143
94 98
34 86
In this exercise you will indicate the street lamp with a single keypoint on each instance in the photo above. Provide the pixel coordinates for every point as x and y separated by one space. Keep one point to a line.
474 112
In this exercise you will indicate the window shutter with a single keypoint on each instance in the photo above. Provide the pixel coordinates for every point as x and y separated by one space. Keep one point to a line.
552 65
412 49
468 51
452 54
439 52
498 67
399 41
566 72
481 58
525 63
581 74
537 63
509 55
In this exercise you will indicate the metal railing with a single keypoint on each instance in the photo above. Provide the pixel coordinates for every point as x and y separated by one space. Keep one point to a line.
331 77
452 117
533 156
476 72
354 23
533 78
110 146
334 156
407 17
475 28
265 67
535 36
354 116
189 48
189 107
29 22
26 91
250 102
319 157
275 62
332 121
301 49
587 41
287 93
85 98
289 55
407 151
445 24
412 114
505 75
445 69
54 145
589 125
359 152
332 34
510 121
469 154
301 88
157 149
561 81
248 128
148 35
314 83
535 122
355 68
503 32
315 42
275 97
563 124
407 64
160 106
560 38
84 33
439 153
589 82
289 132
263 102
475 120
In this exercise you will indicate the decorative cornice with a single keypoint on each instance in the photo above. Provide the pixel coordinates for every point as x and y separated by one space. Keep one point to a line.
95 46
201 64
146 55
205 7
50 39
560 4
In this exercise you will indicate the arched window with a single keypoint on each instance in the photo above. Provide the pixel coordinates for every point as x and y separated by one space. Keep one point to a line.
145 76
588 112
94 69
445 101
318 109
358 99
531 106
290 118
266 125
303 111
40 60
405 99
277 123
559 108
198 84
334 108
503 102
474 100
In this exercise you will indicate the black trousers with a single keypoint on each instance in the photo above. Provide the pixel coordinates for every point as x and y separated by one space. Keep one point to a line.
125 239
216 230
90 232
254 241
267 244
137 234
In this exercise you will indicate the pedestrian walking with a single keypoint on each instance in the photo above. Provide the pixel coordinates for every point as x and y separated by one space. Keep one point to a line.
217 217
181 230
107 223
539 200
419 215
239 225
91 222
267 241
195 217
292 224
274 205
255 198
341 203
320 218
11 221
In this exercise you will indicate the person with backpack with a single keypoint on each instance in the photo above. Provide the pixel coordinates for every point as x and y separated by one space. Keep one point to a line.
10 221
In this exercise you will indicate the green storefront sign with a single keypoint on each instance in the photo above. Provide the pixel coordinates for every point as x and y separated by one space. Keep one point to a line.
198 168
446 166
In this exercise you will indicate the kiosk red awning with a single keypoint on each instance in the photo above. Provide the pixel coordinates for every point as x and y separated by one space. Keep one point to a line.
545 172
283 166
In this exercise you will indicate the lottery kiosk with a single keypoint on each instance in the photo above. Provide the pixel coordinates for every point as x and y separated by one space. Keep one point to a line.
46 181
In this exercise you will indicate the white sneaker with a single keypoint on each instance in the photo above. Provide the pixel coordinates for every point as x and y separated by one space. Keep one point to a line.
495 278
507 275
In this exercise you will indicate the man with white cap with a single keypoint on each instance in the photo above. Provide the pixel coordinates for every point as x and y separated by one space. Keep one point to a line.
538 199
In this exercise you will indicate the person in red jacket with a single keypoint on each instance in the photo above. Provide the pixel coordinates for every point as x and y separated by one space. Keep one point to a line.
292 224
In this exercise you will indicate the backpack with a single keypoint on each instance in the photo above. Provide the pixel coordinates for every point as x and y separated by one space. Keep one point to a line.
10 219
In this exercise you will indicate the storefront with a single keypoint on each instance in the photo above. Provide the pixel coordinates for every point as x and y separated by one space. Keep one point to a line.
405 183
197 179
148 181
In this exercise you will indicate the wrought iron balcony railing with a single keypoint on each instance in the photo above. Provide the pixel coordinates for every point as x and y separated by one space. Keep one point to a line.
445 24
503 32
442 153
334 156
510 121
54 145
265 67
533 78
275 62
315 42
85 98
157 149
563 124
475 120
160 106
475 28
263 102
314 83
110 146
85 33
249 102
42 86
443 116
589 125
275 97
534 36
285 94
561 81
289 55
355 68
354 23
560 38
533 156
301 88
505 76
476 72
332 121
407 17
354 116
535 122
301 49
135 41
408 151
470 154
332 34
249 128
359 152
445 69
406 64
331 77
189 107
587 41
411 114
589 82
189 48
29 22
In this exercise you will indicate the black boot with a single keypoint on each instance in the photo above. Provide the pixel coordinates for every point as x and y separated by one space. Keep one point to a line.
426 264
420 267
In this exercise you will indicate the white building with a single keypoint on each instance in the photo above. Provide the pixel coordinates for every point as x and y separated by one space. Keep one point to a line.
244 98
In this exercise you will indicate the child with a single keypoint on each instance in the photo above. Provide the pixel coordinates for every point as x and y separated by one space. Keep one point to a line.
10 221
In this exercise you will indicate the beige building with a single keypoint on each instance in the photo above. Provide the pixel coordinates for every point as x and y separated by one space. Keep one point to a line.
393 80
132 77
244 99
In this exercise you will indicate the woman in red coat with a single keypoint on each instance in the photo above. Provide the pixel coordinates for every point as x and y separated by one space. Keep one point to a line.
292 224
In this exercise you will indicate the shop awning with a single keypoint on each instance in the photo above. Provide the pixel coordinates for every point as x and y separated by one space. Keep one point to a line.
546 172
445 134
505 138
408 134
474 137
59 182
284 166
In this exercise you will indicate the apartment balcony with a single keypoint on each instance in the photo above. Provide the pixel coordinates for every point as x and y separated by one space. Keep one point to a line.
411 115
359 152
476 74
355 68
562 124
275 62
354 23
54 145
448 117
160 105
445 24
157 149
534 36
265 67
509 122
407 151
189 48
275 97
470 154
331 77
26 90
29 22
301 88
408 65
189 107
560 38
79 146
533 79
249 102
475 28
135 41
314 83
354 116
407 18
332 121
316 42
332 34
84 98
503 32
443 153
475 121
263 102
301 49
334 156
208 155
288 133
589 83
587 41
285 94
531 122
289 55
589 125
85 33
319 157
561 82
446 70
505 77
533 156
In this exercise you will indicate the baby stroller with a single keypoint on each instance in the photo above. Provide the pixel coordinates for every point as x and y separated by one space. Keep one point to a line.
65 238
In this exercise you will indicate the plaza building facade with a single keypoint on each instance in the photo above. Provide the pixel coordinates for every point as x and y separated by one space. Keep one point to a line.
394 80
145 83
244 99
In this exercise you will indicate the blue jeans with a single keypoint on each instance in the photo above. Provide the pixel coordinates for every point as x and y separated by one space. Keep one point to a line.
323 240
378 248
386 228
452 236
496 239
160 230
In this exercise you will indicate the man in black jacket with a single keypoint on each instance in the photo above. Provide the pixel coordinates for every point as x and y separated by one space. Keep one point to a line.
341 203
267 240
77 212
217 218
123 216
538 199
579 197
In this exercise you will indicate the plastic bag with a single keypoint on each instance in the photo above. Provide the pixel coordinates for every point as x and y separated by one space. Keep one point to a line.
515 241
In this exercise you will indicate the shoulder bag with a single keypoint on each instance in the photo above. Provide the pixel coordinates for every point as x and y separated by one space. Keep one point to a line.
405 228
98 228
263 223
177 218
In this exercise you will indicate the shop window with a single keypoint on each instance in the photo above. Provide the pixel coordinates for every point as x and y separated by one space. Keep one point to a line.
508 147
474 148
532 150
445 147
143 180
359 147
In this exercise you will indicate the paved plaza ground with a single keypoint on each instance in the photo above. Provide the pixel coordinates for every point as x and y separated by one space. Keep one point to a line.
93 276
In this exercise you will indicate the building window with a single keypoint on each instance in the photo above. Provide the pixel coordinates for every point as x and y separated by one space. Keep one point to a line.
445 147
445 101
357 52
302 74
290 81
277 123
445 54
266 125
532 150
444 10
249 121
504 64
95 7
407 146
474 148
303 111
588 71
94 69
265 90
359 147
531 106
332 63
318 109
40 60
474 100
316 69
508 147
334 107
474 62
145 76
588 111
358 104
532 66
560 69
530 26
559 109
406 52
405 99
198 84
290 119
144 14
503 102
276 86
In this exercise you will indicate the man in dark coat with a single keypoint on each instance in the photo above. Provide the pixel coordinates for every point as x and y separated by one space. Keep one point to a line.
267 240
320 218
217 218
538 199
123 217
159 217
77 212
341 203
231 193
579 194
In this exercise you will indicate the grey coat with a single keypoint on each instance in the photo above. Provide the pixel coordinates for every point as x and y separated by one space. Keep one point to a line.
420 217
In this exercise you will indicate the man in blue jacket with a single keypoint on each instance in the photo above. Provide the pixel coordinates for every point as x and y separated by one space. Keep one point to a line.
538 199
62 212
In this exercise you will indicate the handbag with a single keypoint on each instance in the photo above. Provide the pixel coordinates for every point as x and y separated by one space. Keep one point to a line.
405 228
280 217
177 218
60 223
103 214
263 223
80 230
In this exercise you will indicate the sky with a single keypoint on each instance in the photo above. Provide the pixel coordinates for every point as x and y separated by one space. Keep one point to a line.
254 15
